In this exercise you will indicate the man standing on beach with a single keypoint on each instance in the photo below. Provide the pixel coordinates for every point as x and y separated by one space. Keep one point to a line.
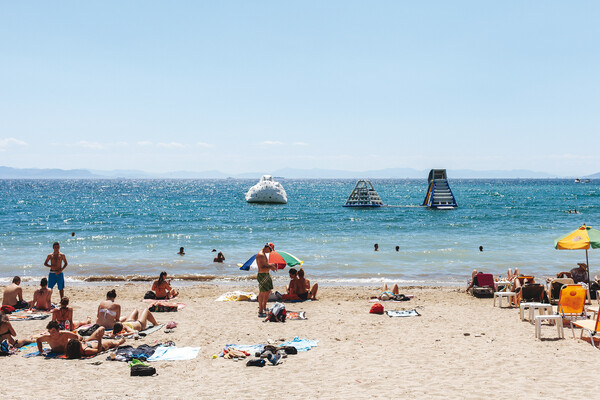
265 284
57 262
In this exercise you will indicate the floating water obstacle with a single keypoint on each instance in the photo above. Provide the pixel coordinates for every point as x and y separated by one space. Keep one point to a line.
364 195
439 195
267 191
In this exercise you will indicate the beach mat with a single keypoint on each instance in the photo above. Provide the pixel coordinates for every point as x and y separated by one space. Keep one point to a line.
172 353
404 313
295 315
301 344
163 306
237 296
28 317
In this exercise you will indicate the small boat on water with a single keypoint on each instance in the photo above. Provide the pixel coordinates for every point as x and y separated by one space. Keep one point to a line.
267 191
577 180
364 195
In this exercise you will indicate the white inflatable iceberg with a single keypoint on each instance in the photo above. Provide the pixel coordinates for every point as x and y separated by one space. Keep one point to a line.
267 191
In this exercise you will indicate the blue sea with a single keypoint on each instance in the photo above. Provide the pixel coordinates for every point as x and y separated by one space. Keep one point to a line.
134 229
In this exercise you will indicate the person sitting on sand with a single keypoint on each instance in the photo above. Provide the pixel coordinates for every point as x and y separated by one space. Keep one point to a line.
7 332
291 287
13 295
473 281
162 288
219 258
134 322
303 288
64 314
41 297
109 311
91 346
578 274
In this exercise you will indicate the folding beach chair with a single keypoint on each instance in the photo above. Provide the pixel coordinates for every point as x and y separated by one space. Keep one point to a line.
591 326
555 287
571 305
484 286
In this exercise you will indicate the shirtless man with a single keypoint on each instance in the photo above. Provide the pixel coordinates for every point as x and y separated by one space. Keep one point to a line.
265 284
13 295
57 262
56 338
42 297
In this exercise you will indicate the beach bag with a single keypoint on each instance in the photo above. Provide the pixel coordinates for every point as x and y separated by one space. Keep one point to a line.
88 331
142 370
377 308
258 362
150 295
4 348
163 308
277 313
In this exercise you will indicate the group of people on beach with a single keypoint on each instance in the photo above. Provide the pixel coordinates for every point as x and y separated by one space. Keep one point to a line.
516 280
298 289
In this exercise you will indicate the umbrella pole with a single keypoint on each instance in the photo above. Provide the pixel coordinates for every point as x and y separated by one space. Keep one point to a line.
587 262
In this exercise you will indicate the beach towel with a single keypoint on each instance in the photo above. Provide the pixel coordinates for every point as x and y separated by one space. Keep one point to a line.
237 296
301 344
172 353
296 315
27 317
48 354
375 299
251 348
128 353
406 313
164 306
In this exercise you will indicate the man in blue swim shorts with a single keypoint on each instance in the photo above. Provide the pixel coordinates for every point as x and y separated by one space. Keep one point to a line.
57 262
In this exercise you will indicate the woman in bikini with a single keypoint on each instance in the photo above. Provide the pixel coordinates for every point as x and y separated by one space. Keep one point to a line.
109 312
134 322
92 346
65 313
162 288
303 288
7 332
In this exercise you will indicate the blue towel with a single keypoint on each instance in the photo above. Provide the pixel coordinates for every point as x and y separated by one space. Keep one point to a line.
301 344
172 353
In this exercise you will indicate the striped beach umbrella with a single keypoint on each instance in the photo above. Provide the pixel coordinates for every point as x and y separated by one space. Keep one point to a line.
580 239
281 258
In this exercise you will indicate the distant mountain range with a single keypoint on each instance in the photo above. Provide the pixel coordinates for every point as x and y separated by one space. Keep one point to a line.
290 173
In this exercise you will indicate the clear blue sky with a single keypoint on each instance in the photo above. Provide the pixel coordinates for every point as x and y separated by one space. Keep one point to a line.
254 86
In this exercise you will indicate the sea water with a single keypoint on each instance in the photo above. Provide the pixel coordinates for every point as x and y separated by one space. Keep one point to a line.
134 228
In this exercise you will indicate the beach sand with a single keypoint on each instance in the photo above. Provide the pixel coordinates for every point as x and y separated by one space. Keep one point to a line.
460 347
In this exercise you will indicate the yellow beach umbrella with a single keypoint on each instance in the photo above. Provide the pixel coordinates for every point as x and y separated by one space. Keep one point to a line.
580 239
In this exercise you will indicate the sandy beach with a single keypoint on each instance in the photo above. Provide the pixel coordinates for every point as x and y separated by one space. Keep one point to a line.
460 347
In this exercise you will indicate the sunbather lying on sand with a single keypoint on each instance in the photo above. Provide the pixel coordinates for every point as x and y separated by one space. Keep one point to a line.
92 346
134 322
